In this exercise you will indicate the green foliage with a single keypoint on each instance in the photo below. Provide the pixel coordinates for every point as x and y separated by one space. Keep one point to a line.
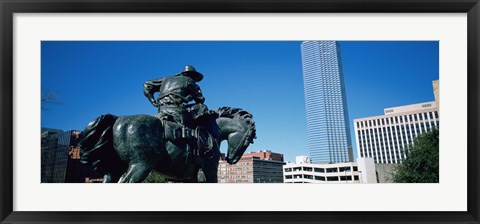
422 162
155 178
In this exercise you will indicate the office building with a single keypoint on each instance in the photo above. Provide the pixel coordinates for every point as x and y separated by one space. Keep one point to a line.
386 138
362 171
328 129
60 157
254 167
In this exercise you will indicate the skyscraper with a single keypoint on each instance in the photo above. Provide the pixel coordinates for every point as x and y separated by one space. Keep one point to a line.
328 129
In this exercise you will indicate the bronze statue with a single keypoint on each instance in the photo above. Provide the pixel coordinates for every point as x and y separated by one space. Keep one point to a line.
182 142
178 116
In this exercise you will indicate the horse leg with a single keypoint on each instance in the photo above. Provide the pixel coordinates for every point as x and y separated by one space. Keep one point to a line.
201 178
111 178
107 178
210 167
136 173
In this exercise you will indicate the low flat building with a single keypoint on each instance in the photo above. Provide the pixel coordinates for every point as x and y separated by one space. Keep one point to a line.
362 171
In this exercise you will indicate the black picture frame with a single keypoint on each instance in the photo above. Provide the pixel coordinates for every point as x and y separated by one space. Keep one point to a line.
9 7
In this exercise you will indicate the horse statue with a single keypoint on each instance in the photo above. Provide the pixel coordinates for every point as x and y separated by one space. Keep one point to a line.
125 149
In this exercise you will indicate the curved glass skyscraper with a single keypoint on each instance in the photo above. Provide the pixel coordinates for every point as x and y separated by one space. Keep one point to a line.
328 129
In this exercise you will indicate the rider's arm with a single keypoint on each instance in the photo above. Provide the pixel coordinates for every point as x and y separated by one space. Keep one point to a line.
197 94
150 87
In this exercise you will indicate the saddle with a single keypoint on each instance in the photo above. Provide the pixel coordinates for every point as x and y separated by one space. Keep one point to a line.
176 132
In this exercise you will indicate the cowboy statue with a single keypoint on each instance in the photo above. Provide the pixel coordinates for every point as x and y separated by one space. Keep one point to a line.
181 142
180 117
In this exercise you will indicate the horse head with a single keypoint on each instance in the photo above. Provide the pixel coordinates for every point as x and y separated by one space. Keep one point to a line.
238 128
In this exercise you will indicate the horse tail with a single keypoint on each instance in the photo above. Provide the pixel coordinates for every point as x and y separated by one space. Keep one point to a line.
97 144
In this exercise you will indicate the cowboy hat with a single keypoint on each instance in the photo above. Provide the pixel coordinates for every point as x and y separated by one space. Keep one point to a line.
192 73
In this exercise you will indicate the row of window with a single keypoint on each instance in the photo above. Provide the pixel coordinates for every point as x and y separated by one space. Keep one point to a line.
321 178
398 119
321 170
383 140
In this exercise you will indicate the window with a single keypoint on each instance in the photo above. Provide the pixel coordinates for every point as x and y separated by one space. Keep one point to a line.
345 178
344 169
332 178
308 177
331 170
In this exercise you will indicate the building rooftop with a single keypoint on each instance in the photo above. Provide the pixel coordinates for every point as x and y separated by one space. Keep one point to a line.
262 154
402 109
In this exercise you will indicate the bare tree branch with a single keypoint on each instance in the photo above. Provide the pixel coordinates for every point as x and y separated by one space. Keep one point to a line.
49 97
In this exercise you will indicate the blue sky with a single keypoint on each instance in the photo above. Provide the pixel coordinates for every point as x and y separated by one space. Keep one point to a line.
264 77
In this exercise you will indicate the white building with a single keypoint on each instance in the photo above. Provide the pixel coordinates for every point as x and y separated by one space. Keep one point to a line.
385 138
362 171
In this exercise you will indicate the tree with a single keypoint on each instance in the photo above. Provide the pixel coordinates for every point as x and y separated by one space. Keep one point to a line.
422 162
48 97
